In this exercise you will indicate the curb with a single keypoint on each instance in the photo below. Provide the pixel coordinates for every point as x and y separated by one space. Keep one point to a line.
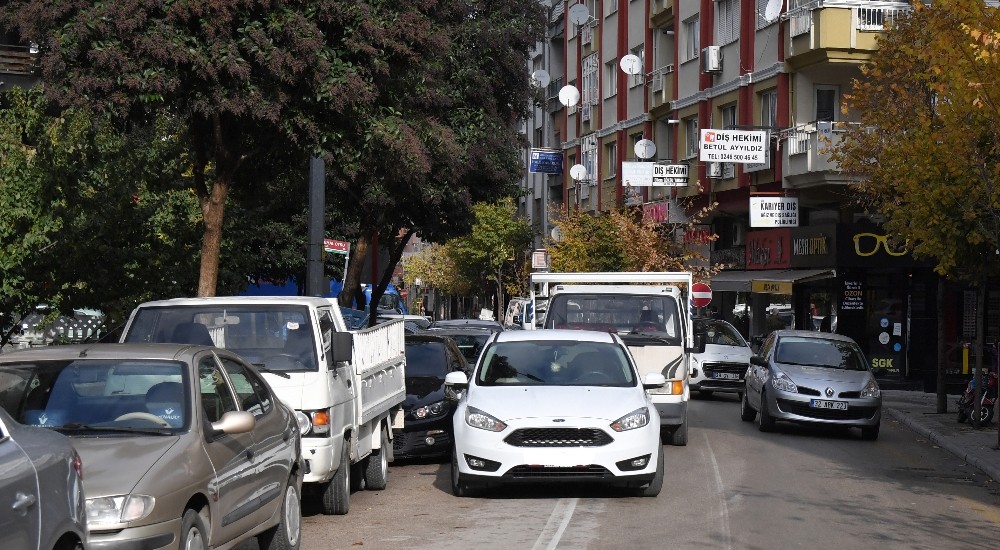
988 467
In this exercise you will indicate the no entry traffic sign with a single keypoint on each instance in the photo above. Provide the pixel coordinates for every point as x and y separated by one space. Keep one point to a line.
701 295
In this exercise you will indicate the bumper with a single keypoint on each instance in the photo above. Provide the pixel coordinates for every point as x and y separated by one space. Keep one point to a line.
722 386
793 407
412 444
484 458
321 455
672 412
146 537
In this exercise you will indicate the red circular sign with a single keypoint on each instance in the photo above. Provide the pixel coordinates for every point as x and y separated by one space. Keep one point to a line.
701 295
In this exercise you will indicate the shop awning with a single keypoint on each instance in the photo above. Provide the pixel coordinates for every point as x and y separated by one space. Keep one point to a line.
743 281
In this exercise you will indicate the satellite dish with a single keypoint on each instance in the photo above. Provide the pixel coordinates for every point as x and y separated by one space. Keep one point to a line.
556 234
645 148
773 10
540 78
578 172
569 95
578 14
631 64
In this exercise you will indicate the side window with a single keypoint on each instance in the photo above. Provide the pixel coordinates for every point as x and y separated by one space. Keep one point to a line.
766 347
250 390
216 396
456 361
326 328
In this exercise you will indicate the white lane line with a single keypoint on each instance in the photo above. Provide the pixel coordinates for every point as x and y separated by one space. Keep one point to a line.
724 512
562 513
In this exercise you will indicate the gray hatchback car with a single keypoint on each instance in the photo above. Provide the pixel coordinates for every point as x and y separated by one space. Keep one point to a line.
186 446
812 377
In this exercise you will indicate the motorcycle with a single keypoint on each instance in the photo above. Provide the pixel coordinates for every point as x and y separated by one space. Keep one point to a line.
966 407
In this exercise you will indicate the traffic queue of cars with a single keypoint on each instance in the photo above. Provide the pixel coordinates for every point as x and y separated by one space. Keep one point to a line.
188 445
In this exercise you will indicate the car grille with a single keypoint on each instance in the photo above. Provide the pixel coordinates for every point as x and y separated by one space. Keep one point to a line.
739 369
803 409
529 472
558 437
809 391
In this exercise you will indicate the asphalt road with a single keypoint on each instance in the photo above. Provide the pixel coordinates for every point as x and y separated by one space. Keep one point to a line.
730 487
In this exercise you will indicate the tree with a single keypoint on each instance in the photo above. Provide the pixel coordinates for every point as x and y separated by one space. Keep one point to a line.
926 152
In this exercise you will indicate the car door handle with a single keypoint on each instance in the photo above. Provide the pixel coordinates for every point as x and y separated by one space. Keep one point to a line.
23 501
250 456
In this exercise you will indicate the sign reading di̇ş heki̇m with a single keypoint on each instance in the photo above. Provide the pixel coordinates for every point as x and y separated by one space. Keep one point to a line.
774 212
733 146
546 161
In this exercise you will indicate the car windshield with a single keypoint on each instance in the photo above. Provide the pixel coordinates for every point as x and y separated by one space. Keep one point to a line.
817 352
114 395
624 314
426 359
276 337
721 333
470 345
555 363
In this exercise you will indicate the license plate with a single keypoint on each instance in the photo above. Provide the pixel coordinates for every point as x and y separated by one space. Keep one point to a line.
823 404
725 376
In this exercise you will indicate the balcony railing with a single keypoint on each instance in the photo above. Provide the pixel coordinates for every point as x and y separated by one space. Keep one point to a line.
870 18
876 18
808 147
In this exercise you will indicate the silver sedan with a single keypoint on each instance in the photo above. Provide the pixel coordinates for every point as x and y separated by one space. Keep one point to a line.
812 377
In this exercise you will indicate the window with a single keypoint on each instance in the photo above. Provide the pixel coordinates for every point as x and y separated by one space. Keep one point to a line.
638 79
610 7
826 103
216 396
691 137
691 41
610 78
250 390
769 109
588 153
727 21
633 139
611 156
729 122
589 92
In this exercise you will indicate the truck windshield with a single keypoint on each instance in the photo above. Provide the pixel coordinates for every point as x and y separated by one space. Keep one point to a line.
275 337
625 314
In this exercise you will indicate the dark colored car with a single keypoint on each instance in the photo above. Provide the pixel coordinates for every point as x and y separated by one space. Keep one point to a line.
41 488
427 414
468 323
470 341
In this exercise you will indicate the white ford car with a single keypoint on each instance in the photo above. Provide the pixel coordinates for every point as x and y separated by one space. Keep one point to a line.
555 406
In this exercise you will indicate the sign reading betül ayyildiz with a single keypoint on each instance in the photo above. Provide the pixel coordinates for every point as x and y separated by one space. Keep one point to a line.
733 146
774 211
546 161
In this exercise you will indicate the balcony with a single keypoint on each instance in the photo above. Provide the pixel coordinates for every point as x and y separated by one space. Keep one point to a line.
807 154
661 86
818 33
661 13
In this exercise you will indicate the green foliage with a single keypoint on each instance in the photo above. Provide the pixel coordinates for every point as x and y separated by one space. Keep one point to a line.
927 150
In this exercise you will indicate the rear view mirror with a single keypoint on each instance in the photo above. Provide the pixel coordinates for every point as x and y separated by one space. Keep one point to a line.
343 347
455 383
654 380
758 360
699 343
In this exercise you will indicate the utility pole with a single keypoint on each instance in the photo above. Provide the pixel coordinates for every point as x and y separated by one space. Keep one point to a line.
315 281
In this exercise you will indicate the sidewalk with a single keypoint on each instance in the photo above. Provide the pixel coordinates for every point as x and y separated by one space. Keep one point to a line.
916 410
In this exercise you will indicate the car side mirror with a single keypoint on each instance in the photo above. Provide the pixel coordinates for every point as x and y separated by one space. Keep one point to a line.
455 384
699 343
234 422
343 347
654 380
758 360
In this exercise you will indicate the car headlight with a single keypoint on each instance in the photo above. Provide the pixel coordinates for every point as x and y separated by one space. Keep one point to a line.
118 509
635 419
430 411
782 382
303 421
484 421
871 389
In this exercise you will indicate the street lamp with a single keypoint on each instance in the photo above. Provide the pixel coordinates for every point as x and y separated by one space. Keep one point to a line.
579 174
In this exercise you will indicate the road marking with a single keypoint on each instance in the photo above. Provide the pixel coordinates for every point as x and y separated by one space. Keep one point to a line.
717 476
553 531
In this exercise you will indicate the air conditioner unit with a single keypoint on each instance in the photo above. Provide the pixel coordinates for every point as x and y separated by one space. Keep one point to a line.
714 169
711 59
658 83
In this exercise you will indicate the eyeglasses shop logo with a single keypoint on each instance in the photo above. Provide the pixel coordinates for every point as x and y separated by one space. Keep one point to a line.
867 244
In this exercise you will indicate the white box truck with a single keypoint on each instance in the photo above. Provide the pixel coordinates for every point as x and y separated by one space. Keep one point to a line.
349 384
648 310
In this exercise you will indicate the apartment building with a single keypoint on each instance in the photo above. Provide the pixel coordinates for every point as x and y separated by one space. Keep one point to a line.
777 66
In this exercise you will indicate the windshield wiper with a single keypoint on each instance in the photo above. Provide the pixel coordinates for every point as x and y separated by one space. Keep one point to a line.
262 368
77 427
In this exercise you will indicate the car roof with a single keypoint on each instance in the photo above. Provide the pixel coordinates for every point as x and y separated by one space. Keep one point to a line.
236 300
470 330
106 351
815 335
554 334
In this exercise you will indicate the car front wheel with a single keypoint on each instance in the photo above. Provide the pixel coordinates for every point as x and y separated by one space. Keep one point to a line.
746 411
766 421
459 487
194 536
287 534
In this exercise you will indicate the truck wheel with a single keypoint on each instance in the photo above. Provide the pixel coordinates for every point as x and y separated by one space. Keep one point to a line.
337 493
377 466
679 435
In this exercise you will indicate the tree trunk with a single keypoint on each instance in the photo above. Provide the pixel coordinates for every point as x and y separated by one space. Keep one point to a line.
352 279
942 371
212 211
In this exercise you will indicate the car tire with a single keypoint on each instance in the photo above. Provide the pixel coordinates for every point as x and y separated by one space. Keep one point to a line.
747 413
336 498
870 433
358 476
459 487
287 534
679 435
193 532
656 483
377 466
765 420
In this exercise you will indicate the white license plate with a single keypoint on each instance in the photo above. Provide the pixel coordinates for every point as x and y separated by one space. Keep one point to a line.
823 404
725 376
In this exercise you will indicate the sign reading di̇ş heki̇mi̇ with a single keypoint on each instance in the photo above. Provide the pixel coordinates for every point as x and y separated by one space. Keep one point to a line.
546 161
733 146
774 212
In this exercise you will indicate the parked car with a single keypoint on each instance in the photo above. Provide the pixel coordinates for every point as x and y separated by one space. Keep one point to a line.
185 446
812 377
469 323
555 406
427 414
41 487
723 365
470 341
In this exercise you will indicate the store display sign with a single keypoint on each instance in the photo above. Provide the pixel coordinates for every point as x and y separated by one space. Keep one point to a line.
774 211
854 297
